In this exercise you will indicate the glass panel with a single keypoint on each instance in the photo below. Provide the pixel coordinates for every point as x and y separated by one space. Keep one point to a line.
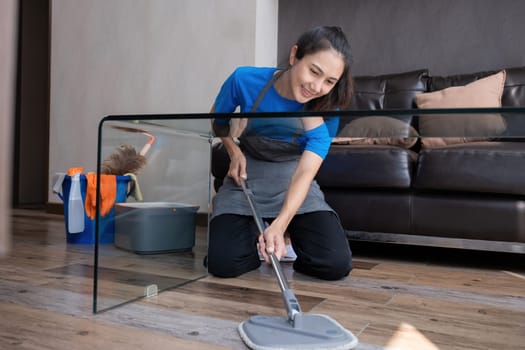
159 237
155 235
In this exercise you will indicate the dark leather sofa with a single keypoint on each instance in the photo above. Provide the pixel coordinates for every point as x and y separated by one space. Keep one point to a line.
469 195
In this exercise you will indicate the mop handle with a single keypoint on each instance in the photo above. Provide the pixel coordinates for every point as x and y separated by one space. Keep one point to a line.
249 196
290 301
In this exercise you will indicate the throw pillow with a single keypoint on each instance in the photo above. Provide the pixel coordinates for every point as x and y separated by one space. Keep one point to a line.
449 129
377 130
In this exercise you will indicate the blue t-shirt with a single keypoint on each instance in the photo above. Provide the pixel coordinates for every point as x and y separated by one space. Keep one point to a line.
242 88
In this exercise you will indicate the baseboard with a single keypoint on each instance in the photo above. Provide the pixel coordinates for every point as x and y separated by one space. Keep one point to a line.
201 219
54 208
434 241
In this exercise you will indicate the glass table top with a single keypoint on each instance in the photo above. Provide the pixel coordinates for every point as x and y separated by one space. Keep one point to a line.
155 236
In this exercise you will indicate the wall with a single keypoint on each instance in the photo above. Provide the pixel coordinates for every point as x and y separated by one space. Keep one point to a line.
445 36
145 56
8 23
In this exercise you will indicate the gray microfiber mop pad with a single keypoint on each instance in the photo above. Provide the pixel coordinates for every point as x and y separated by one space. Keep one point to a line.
317 332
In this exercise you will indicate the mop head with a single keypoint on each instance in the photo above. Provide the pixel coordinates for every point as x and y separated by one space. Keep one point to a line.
278 333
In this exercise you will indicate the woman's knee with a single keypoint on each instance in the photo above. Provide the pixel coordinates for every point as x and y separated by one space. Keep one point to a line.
231 248
331 268
227 265
340 268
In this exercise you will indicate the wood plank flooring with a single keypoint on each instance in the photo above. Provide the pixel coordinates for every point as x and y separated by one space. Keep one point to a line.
395 298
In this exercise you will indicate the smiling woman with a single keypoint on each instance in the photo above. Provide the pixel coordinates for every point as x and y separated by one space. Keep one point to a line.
320 61
315 75
279 159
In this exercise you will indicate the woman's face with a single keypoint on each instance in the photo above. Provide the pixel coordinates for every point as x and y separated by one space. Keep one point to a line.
314 75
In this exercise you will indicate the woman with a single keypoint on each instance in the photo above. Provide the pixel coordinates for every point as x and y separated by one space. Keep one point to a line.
282 178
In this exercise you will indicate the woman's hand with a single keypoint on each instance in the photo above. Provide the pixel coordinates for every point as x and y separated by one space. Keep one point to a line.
237 170
272 240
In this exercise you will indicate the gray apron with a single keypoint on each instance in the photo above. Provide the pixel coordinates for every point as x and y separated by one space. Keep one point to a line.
269 182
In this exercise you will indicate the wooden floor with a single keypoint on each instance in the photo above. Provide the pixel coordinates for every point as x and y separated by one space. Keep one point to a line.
395 298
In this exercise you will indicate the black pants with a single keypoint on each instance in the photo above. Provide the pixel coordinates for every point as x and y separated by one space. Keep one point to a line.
318 240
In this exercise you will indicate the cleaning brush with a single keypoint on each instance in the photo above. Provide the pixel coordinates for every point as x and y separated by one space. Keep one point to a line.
124 160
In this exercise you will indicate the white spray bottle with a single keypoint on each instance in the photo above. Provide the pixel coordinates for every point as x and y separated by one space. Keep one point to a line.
75 206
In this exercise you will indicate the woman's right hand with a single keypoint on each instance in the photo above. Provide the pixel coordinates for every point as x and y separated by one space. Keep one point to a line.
237 170
272 241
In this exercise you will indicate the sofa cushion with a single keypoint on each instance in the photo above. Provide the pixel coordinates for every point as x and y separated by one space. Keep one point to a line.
513 92
451 129
468 216
388 91
377 130
220 164
486 167
370 210
514 96
358 166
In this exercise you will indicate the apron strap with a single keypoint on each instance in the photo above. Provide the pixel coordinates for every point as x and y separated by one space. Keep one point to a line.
265 90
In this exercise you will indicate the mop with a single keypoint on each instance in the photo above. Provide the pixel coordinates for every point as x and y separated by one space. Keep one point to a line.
298 330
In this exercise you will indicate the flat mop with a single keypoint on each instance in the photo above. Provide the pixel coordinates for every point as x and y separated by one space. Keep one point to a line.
298 330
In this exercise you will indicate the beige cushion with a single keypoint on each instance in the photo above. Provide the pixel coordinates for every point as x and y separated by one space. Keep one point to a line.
377 130
460 128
